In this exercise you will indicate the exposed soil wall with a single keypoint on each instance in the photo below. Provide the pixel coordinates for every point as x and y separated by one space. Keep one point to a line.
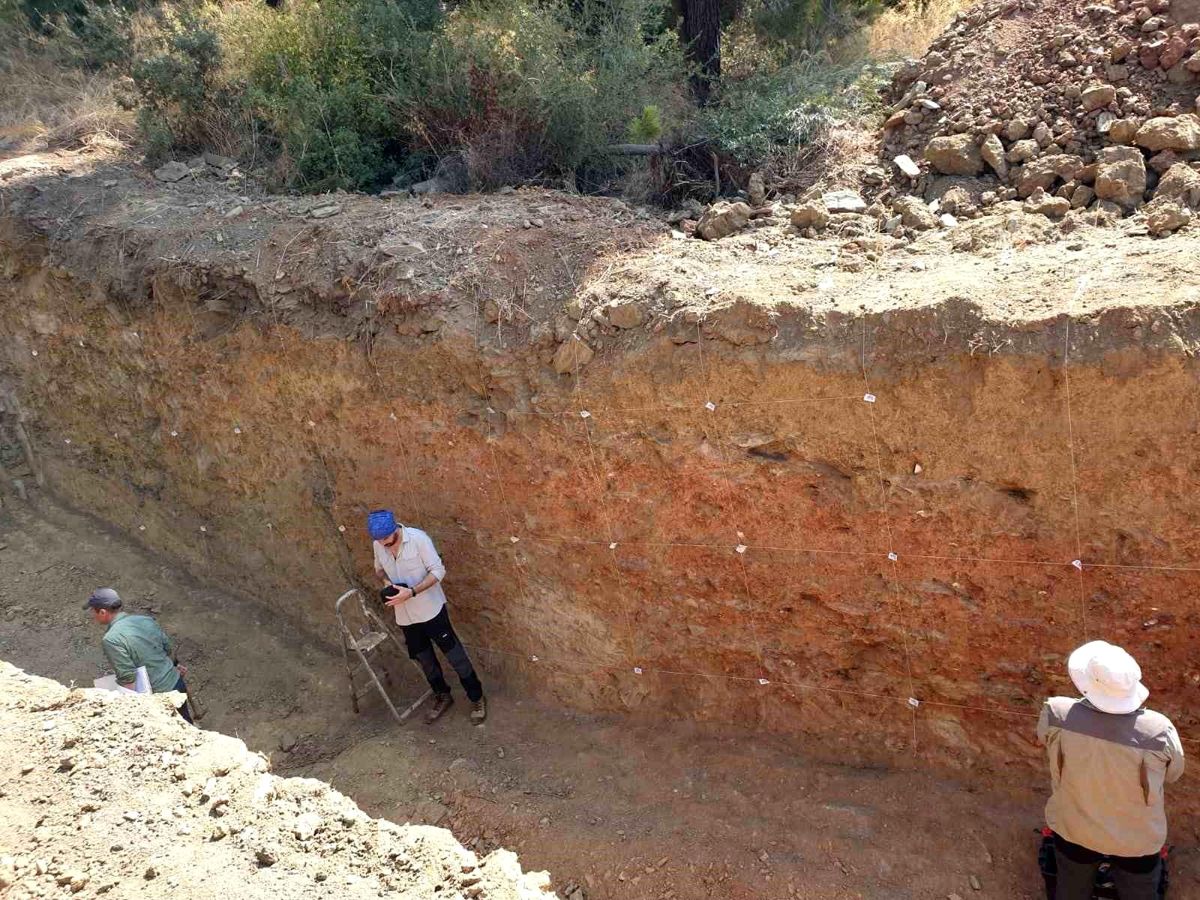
706 504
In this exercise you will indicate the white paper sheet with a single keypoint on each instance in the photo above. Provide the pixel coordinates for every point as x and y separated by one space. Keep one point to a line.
141 683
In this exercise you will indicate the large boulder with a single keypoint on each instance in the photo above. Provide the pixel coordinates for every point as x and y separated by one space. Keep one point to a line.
1169 133
1122 131
723 219
1097 95
1181 183
1044 204
992 151
810 215
844 200
572 356
914 213
1121 176
955 154
1164 217
1044 172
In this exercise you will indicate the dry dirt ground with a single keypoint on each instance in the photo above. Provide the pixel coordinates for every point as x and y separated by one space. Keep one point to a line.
614 809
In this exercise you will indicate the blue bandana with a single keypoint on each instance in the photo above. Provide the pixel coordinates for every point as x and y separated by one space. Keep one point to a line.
381 523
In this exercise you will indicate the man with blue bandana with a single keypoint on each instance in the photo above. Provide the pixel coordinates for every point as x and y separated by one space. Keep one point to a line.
412 573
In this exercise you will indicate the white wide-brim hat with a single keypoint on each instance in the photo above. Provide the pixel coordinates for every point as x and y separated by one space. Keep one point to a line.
1108 677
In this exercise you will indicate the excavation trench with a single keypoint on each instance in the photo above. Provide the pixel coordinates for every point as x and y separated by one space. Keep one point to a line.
868 510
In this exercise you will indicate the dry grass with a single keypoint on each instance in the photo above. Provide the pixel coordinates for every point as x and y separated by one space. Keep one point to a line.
44 99
909 30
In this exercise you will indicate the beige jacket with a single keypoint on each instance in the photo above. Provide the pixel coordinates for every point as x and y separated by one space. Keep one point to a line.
1108 772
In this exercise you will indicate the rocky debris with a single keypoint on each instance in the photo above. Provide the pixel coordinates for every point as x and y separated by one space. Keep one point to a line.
172 172
1029 95
1121 176
810 215
955 155
915 213
1165 216
723 219
572 356
301 830
1180 183
1041 203
843 201
325 211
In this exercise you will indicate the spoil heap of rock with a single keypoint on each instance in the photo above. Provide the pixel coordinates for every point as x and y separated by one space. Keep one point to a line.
1083 102
110 795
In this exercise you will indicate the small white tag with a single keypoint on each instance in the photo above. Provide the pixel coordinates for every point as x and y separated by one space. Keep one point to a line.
203 528
869 398
514 539
392 416
710 406
893 557
584 414
141 528
491 412
740 548
66 440
533 659
637 670
914 702
763 681
612 546
312 424
174 434
237 430
342 528
35 353
1077 563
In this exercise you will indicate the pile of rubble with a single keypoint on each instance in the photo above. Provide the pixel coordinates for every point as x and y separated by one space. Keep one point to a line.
1060 107
114 795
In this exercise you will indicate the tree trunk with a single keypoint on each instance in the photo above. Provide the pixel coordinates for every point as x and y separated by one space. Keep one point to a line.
702 35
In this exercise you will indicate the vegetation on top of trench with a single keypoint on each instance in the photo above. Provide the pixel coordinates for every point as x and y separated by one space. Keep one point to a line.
365 94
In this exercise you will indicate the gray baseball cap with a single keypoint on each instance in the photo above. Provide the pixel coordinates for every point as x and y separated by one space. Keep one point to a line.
103 598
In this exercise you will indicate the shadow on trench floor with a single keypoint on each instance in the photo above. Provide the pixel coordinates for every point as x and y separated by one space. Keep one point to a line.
617 809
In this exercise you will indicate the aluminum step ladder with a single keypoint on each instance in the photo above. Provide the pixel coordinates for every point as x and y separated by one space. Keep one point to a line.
371 639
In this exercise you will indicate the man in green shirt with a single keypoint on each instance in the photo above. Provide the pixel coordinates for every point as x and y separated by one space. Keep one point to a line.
132 641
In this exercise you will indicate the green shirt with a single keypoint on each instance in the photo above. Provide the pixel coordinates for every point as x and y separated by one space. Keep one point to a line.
133 641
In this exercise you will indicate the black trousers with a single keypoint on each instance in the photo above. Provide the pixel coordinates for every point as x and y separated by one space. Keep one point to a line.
438 631
1136 877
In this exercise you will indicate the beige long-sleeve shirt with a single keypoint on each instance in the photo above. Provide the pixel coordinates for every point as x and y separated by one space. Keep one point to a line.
1108 774
415 558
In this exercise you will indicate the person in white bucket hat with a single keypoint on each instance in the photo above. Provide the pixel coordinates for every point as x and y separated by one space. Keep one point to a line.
1109 761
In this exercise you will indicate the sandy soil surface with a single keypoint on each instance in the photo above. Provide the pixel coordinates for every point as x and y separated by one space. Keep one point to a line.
612 809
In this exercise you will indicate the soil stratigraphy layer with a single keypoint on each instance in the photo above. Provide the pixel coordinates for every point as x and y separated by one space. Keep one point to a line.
864 500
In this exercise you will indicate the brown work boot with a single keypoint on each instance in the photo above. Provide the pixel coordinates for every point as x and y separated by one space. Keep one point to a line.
479 711
438 707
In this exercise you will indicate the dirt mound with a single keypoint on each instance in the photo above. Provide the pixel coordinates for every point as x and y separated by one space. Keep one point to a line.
1064 106
112 795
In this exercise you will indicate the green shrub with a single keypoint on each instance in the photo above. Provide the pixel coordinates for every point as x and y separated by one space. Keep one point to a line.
779 113
178 85
530 90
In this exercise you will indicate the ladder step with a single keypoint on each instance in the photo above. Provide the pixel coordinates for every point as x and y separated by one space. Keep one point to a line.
370 641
